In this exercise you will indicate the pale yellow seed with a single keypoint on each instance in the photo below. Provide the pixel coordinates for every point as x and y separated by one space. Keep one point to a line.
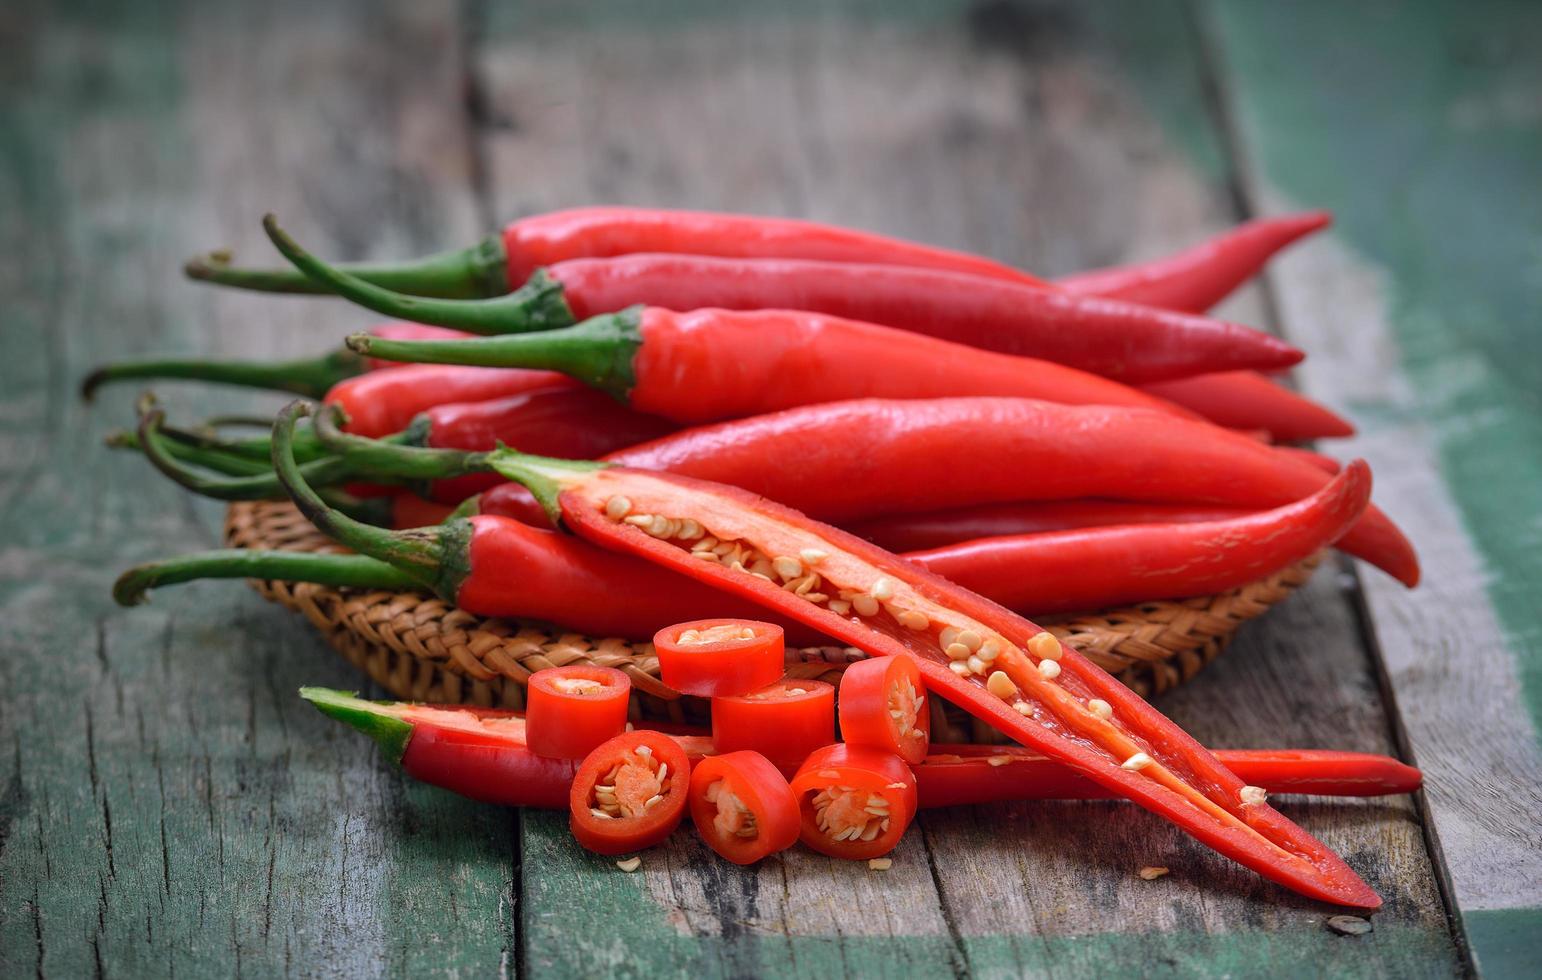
1151 873
970 639
1049 670
913 619
883 590
600 813
706 556
1044 646
1100 708
829 774
629 864
690 530
894 786
787 567
1136 762
1023 708
960 668
976 665
1001 685
639 520
957 651
1253 795
989 650
840 607
865 605
813 556
662 527
999 760
880 864
947 637
617 507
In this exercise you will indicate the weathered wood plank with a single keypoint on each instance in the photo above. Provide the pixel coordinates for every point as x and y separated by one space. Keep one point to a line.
1049 136
1425 312
167 805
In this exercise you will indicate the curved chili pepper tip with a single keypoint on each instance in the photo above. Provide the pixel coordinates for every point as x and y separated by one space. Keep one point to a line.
390 732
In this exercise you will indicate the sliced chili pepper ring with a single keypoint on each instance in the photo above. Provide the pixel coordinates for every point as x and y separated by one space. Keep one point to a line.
715 658
784 721
573 709
854 802
743 807
882 705
630 793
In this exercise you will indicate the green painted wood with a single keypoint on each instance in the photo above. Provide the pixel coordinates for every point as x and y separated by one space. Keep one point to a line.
1428 302
168 807
1049 135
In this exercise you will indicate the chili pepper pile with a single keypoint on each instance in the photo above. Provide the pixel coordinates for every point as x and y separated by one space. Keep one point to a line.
705 430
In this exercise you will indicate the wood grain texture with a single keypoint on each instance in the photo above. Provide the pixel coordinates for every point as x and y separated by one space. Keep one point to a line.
167 805
1037 134
1426 307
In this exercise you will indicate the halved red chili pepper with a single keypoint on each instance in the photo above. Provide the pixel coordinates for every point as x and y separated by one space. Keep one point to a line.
708 365
489 267
1200 277
742 806
882 705
481 753
1108 337
783 721
572 709
855 802
1018 677
630 793
715 658
1066 571
1248 400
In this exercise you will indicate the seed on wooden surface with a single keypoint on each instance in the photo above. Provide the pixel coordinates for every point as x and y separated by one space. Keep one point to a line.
618 507
1350 925
629 864
880 864
1151 873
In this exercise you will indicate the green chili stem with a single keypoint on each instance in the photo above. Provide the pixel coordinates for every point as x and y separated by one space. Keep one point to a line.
537 305
599 351
262 485
374 720
358 571
311 377
478 271
391 458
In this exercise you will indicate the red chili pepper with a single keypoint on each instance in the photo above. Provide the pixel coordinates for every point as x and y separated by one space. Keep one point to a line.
384 402
410 510
630 793
1325 463
1027 685
742 806
1066 571
934 529
783 721
1248 400
487 268
573 709
1108 337
1200 277
716 658
882 706
855 802
708 365
481 753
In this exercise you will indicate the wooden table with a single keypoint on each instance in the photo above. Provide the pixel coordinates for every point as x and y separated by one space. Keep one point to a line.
168 806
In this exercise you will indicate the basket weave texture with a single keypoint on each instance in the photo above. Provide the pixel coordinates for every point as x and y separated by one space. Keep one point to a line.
419 647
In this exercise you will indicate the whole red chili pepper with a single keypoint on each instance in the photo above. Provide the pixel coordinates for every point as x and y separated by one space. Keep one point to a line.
1325 463
933 529
1248 400
1019 678
481 753
308 377
492 265
708 365
1066 571
1107 337
384 402
1200 277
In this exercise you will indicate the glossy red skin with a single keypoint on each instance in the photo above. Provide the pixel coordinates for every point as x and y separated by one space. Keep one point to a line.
567 725
961 775
849 461
1092 568
1102 336
1313 870
863 707
784 730
623 834
725 668
603 232
403 330
410 510
1198 278
532 573
497 767
1248 400
763 790
1325 463
562 421
381 403
708 365
933 529
864 769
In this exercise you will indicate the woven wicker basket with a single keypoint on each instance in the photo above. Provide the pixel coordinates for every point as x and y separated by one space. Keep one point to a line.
421 648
